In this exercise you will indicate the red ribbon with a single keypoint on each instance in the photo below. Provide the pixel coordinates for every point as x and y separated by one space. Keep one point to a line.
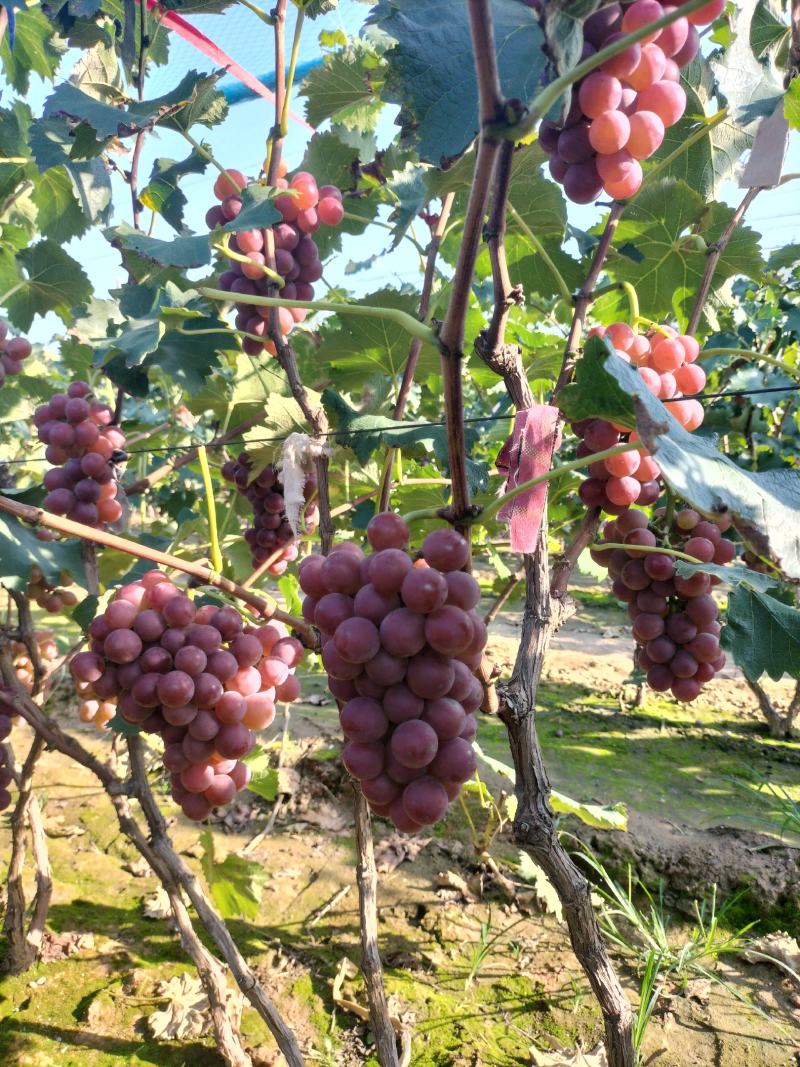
220 58
526 454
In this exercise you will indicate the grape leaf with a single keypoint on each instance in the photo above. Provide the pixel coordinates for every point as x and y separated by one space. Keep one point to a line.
367 433
431 71
258 210
314 8
21 549
663 226
162 193
791 104
358 347
34 49
751 87
706 164
562 23
69 199
764 506
236 883
52 281
185 251
762 633
768 31
342 89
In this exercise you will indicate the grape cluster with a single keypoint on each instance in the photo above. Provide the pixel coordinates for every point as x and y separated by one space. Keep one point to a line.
13 350
23 667
619 111
194 675
666 362
7 715
50 598
675 620
81 443
401 640
303 207
270 530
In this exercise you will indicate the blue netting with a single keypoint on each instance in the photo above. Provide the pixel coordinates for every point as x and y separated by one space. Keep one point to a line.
249 42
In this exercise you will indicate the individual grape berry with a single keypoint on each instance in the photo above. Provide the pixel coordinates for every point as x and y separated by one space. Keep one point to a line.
197 676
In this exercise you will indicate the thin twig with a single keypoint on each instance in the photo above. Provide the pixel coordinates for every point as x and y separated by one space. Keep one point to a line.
416 345
25 944
451 335
584 298
503 597
714 254
266 607
371 968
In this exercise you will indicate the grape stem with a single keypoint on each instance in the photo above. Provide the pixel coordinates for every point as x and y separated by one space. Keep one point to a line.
207 154
607 546
550 95
298 29
224 250
487 513
714 254
265 606
213 534
633 303
402 318
759 357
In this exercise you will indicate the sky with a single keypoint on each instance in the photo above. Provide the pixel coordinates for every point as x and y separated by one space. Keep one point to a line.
239 143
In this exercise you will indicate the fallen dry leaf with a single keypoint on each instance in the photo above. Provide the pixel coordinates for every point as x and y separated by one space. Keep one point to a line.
451 880
777 948
138 868
569 1058
156 905
186 1012
56 827
391 851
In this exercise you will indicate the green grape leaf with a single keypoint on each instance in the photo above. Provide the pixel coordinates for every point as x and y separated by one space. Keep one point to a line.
83 614
768 31
314 8
236 884
258 210
196 100
750 86
708 162
431 70
667 230
185 251
791 104
764 506
762 633
369 433
36 50
562 23
51 281
60 216
601 816
343 89
162 193
21 549
357 347
264 778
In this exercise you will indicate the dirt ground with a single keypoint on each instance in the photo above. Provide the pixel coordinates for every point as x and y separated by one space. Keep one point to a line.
477 969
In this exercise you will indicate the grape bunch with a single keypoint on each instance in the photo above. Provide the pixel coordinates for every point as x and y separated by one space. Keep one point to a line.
619 112
13 350
50 598
271 529
82 444
675 619
666 362
23 667
7 715
401 640
195 675
303 207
